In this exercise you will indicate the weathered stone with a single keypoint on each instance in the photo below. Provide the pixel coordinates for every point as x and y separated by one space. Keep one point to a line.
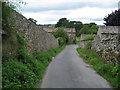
83 42
38 39
106 43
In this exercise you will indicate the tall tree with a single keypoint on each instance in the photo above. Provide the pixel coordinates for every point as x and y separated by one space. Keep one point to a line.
113 19
91 24
62 22
78 26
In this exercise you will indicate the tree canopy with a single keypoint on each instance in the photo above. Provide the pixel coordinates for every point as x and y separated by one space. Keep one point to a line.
62 22
113 19
80 28
61 35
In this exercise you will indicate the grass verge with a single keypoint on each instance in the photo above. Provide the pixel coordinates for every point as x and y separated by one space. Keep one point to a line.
108 71
26 70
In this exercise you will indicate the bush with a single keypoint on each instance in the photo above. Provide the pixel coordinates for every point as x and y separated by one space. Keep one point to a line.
61 41
17 75
88 45
115 71
61 35
90 37
77 39
27 70
105 68
21 40
43 56
91 28
23 56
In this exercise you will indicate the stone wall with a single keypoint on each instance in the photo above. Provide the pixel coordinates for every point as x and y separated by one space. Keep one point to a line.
83 42
38 39
106 43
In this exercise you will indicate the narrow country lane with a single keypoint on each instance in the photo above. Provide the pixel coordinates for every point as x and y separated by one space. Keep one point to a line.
68 70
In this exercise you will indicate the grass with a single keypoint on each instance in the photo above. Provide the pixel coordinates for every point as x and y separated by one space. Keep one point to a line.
108 71
26 70
77 39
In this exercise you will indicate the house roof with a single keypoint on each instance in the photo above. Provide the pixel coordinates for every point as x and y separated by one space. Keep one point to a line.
50 29
70 30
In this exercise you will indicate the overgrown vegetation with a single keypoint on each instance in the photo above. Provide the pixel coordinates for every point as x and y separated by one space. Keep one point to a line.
26 70
11 40
90 37
62 36
77 39
108 71
19 68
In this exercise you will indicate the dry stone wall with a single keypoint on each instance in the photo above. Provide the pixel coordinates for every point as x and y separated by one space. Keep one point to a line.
107 43
84 42
38 39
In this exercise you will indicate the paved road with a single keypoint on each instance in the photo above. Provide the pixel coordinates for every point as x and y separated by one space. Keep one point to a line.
67 70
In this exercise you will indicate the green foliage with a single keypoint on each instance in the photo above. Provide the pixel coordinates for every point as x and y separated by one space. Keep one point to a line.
91 28
61 35
7 24
7 15
17 75
77 39
42 56
26 71
62 22
108 71
80 28
21 40
115 70
90 37
75 24
61 41
23 56
113 19
88 45
12 40
11 43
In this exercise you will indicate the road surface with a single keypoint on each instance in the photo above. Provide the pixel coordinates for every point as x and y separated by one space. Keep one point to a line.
68 70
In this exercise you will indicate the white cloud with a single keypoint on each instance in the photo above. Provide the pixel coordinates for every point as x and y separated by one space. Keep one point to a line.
85 15
50 11
92 13
45 3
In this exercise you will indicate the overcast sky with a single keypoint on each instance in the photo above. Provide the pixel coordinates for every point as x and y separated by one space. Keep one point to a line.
50 11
